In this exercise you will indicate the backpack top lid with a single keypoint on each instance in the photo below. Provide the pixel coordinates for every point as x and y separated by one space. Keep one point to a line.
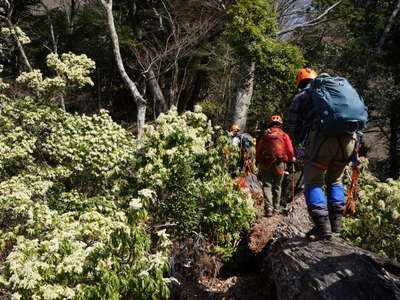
274 130
338 108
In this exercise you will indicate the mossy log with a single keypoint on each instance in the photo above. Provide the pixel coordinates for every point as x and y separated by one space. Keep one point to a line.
297 268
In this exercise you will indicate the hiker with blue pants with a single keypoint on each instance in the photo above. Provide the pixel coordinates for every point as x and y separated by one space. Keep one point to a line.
327 151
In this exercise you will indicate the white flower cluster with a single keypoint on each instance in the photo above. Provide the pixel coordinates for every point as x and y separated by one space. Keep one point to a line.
176 138
92 145
3 85
32 79
72 72
73 68
21 35
16 148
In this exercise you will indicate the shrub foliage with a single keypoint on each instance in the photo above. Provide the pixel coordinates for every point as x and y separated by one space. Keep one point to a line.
80 197
376 224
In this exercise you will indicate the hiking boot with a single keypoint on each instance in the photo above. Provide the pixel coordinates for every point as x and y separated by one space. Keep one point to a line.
321 230
315 234
268 212
336 222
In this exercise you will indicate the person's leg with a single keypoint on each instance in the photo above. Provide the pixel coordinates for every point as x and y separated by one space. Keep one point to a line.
335 189
320 151
336 201
278 176
267 181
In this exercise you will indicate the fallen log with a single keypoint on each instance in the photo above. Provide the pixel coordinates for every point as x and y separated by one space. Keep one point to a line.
297 268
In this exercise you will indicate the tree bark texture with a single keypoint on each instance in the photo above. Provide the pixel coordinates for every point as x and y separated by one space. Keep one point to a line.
138 98
318 270
242 100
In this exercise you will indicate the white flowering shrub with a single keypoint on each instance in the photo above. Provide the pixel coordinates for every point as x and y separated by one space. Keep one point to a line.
79 198
69 227
179 162
72 72
376 224
3 85
74 69
92 148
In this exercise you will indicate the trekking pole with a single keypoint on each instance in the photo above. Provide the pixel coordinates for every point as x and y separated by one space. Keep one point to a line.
293 170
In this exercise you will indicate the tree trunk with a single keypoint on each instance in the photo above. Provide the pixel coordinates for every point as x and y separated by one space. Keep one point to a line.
244 92
141 117
193 91
156 92
300 269
137 97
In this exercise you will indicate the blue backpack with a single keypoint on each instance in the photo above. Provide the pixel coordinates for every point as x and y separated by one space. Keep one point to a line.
338 108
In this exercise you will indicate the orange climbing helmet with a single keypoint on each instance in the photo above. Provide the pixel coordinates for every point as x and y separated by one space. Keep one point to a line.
305 73
276 119
234 127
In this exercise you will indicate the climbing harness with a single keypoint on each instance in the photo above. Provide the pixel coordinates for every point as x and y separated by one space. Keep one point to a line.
293 171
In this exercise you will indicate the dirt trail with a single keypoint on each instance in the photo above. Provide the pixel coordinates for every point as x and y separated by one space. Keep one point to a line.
240 279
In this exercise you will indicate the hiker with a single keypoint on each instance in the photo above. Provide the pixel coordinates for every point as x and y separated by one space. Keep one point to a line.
234 135
274 150
245 142
328 132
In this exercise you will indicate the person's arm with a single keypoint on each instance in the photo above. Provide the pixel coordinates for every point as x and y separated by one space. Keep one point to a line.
300 116
289 148
294 116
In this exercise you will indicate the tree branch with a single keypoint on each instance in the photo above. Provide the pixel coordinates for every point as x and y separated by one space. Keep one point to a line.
15 37
53 39
115 44
313 22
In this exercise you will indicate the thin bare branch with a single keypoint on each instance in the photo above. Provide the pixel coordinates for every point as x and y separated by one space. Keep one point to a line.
313 22
53 39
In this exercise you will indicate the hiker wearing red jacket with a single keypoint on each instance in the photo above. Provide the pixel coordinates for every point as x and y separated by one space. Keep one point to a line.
274 150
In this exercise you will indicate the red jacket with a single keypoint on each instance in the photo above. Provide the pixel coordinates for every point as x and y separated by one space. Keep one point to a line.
282 150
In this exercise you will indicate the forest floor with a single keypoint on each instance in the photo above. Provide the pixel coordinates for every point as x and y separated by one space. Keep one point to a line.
242 278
